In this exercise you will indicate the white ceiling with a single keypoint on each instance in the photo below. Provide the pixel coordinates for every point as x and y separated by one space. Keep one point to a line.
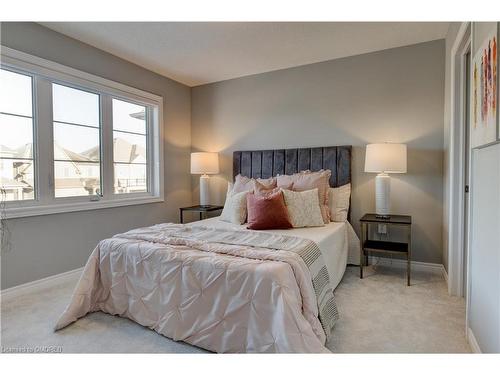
198 53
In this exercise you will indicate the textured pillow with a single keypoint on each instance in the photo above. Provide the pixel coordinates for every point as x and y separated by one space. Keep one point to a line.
307 180
235 208
303 208
338 201
270 182
267 212
263 190
243 183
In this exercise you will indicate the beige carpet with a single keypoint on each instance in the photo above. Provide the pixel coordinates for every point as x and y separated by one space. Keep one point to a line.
378 314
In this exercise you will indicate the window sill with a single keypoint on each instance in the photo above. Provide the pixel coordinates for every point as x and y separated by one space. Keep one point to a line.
15 212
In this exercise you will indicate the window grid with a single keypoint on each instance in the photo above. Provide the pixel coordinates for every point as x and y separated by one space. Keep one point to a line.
73 174
15 181
14 114
131 176
74 124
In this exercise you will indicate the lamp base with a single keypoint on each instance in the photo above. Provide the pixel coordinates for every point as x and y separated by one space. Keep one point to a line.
382 195
204 191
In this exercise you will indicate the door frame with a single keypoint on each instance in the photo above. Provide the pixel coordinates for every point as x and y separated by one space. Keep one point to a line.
456 177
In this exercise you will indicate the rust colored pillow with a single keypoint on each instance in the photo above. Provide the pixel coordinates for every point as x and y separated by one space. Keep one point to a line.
267 212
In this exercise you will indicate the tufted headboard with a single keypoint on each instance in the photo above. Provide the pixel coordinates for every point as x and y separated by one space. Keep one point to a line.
268 163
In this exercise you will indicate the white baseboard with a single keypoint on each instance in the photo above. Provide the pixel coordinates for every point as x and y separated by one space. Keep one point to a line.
37 285
445 275
472 342
435 268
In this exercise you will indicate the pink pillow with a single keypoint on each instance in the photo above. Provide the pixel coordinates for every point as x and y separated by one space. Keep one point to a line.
303 181
243 183
263 190
267 212
270 182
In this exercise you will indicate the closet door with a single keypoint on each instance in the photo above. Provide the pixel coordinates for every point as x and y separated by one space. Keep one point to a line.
484 307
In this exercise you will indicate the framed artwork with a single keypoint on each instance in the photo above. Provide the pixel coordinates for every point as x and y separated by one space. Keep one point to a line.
485 92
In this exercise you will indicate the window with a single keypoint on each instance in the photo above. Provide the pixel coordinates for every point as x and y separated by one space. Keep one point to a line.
129 147
71 141
77 150
16 136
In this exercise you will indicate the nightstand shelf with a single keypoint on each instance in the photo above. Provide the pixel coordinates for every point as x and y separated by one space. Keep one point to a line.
203 210
388 247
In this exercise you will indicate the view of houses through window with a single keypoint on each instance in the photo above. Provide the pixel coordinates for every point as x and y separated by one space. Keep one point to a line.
16 136
76 142
129 147
77 124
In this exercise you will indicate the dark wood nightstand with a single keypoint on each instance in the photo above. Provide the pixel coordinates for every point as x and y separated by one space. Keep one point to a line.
375 246
201 209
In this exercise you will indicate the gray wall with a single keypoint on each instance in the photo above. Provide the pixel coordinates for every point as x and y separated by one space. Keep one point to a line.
48 245
394 95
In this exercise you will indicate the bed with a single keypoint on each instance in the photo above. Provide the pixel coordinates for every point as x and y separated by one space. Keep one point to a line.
222 287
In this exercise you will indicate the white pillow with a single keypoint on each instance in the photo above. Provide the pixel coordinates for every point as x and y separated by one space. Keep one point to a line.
303 208
338 202
235 208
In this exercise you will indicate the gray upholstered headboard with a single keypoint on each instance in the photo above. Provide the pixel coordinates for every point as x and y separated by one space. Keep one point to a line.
268 163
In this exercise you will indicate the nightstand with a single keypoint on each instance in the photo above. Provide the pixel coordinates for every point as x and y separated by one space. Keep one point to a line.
201 209
375 246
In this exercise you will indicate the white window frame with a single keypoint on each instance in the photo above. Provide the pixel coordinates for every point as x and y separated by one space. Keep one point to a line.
44 73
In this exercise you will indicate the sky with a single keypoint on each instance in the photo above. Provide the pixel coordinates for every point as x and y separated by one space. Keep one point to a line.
69 105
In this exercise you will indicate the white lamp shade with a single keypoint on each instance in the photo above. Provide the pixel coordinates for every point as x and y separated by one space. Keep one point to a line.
385 158
204 163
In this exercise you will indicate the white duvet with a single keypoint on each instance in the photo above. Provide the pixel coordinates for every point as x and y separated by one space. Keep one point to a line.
223 298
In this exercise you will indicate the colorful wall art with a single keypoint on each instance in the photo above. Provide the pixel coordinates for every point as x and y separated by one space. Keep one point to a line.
485 93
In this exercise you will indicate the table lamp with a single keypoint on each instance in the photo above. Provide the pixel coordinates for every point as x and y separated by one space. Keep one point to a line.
384 158
204 163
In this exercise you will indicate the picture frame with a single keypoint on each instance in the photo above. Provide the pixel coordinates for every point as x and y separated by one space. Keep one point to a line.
484 92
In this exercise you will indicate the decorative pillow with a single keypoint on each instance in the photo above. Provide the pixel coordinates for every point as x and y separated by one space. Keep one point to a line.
263 190
303 208
270 182
339 202
235 208
307 180
267 212
243 183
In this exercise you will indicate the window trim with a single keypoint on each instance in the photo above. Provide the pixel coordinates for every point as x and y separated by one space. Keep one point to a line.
44 72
